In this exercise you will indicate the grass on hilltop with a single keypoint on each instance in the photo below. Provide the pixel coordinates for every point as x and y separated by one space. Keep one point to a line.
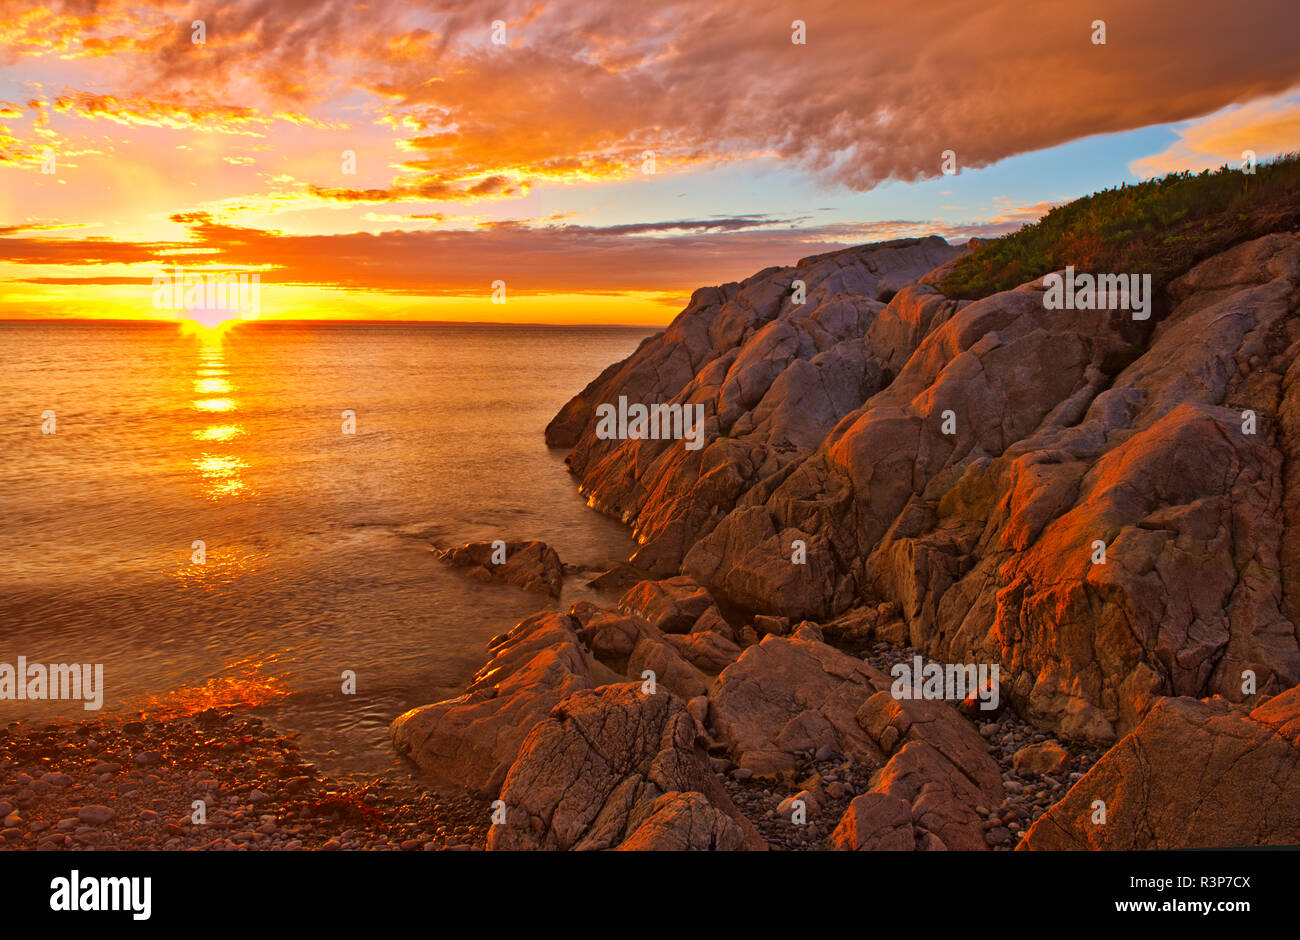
1163 227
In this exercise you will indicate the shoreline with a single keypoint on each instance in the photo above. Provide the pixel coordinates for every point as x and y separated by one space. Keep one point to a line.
109 784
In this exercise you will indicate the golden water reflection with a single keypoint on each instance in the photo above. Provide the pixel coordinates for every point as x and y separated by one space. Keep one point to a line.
210 386
221 474
243 683
219 432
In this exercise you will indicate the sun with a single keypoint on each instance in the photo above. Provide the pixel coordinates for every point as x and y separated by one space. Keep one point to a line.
211 324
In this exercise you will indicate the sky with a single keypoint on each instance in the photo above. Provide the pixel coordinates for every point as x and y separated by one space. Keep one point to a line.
580 162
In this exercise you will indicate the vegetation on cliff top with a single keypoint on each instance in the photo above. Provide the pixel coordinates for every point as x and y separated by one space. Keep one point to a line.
1163 226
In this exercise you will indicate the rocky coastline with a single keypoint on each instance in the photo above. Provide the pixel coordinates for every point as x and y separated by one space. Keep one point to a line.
1102 508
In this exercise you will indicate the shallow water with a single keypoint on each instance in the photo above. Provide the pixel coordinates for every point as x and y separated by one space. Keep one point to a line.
317 542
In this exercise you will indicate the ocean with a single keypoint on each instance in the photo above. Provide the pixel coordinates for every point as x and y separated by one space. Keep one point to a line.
315 543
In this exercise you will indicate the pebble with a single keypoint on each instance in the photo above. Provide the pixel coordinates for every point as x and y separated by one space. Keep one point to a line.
998 836
95 815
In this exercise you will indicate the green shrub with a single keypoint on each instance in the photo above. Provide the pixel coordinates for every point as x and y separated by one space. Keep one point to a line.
1163 227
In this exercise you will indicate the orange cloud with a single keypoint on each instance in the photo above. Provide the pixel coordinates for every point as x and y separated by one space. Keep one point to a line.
1265 128
532 258
581 90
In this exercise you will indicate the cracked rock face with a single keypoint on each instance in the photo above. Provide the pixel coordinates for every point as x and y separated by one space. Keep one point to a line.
1194 774
939 770
1106 508
773 377
472 740
789 694
615 768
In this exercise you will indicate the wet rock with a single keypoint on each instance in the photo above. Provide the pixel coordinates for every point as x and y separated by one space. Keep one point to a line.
473 739
533 565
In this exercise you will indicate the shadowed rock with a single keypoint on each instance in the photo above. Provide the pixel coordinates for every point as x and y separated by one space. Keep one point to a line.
473 739
613 767
1194 774
789 694
939 771
533 566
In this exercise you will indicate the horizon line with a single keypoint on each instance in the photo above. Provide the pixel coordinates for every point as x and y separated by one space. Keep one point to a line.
327 320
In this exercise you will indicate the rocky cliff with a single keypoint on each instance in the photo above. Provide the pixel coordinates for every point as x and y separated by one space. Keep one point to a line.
1102 507
962 460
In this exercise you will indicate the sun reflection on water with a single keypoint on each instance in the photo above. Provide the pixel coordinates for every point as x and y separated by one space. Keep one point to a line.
219 433
243 683
222 565
220 474
210 386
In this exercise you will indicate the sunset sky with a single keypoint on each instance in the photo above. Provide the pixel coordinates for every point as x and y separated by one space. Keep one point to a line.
525 161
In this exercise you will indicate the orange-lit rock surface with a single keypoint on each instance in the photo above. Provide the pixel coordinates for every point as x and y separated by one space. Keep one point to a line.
1105 509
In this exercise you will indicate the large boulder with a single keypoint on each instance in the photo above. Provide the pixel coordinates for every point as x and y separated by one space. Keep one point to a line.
612 768
925 797
473 739
672 605
685 822
791 694
706 650
1193 774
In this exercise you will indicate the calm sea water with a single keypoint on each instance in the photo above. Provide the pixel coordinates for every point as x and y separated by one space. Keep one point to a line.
318 554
